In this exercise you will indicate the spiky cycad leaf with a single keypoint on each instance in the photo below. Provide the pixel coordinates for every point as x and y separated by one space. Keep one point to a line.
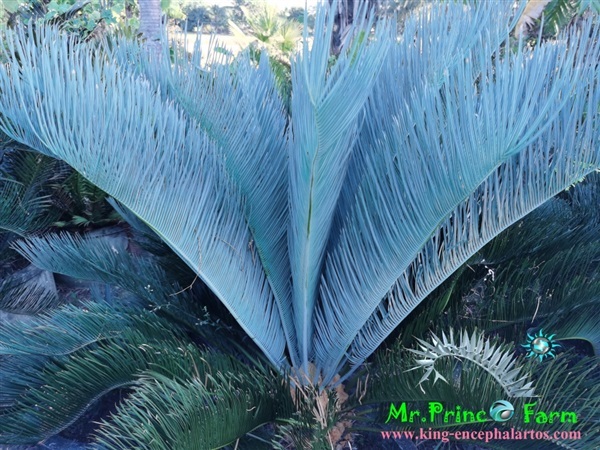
25 191
201 219
83 203
72 384
541 272
498 362
323 128
559 292
423 60
97 259
19 373
562 223
565 385
27 291
144 236
159 283
580 323
26 298
196 414
449 153
519 171
93 349
237 106
71 328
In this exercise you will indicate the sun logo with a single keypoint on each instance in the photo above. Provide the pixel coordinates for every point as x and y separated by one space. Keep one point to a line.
540 345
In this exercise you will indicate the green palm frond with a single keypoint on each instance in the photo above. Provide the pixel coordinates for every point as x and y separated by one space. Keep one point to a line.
73 384
31 295
553 15
19 373
550 283
565 385
167 287
19 215
83 203
70 328
97 259
562 223
567 308
67 384
558 13
207 417
26 178
579 323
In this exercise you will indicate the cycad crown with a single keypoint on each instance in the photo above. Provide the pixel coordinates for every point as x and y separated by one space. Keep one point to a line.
322 229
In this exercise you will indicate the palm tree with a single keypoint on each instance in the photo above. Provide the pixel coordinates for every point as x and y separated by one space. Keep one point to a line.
322 230
556 14
151 26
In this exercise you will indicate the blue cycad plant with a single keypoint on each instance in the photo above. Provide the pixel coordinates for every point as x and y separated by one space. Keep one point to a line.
321 230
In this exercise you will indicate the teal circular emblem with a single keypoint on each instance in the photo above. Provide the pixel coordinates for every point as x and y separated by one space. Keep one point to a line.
540 346
501 410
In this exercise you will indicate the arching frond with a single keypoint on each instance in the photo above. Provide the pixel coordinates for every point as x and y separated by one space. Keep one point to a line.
237 106
159 164
212 411
71 328
28 292
19 374
525 172
498 362
319 231
566 385
25 191
63 388
97 259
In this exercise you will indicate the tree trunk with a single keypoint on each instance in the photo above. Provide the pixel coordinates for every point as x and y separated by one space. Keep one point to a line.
345 13
151 24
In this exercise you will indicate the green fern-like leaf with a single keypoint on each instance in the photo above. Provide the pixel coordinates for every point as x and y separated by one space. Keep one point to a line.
65 387
26 180
189 415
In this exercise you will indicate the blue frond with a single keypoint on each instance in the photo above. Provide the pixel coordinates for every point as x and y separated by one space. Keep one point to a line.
430 158
144 152
238 107
324 125
320 231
